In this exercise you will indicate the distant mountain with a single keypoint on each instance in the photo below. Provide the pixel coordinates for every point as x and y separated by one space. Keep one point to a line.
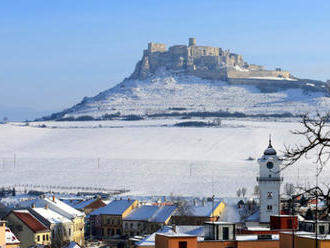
201 81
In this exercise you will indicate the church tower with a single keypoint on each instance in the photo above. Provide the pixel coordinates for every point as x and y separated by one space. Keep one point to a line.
269 180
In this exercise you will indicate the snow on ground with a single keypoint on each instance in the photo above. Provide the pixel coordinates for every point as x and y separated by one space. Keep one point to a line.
144 156
166 91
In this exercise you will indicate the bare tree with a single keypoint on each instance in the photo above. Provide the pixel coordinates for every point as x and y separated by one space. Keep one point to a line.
238 192
289 189
60 237
184 208
256 190
243 190
317 136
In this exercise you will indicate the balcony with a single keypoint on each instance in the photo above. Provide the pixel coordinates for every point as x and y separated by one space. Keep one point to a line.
269 179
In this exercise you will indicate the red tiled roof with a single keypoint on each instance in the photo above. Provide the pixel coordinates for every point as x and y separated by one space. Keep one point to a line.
29 220
96 204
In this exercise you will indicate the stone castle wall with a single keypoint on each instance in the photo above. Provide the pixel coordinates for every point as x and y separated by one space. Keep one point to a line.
202 61
257 73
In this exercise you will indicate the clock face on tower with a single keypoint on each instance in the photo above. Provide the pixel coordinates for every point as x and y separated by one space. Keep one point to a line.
270 165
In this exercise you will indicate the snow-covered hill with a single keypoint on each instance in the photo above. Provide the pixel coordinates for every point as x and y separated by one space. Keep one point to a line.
173 93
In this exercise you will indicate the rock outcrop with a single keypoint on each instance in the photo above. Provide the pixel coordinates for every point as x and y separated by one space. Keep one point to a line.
201 61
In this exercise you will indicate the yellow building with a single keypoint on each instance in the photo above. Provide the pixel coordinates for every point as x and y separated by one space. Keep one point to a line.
112 216
75 230
198 213
28 228
78 230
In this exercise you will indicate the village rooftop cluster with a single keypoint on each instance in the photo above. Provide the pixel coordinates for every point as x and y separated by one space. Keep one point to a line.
271 219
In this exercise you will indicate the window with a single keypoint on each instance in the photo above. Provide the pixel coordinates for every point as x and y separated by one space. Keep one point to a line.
269 207
269 195
225 233
108 221
321 230
47 238
182 244
269 176
69 231
38 238
43 237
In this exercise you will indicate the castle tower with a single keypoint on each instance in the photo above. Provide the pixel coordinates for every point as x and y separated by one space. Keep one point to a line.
192 41
269 180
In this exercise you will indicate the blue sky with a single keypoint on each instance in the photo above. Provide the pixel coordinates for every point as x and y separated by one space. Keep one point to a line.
53 53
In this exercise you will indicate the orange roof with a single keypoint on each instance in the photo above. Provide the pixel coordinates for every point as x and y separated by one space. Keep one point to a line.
96 204
30 221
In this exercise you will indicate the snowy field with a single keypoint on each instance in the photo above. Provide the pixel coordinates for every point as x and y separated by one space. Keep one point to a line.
146 157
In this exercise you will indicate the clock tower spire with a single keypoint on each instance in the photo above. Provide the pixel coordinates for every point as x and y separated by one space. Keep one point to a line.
269 181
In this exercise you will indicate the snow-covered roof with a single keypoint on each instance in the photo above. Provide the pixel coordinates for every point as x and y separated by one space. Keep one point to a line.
151 213
10 237
205 209
55 205
253 237
83 204
72 245
116 207
254 217
51 216
63 208
167 230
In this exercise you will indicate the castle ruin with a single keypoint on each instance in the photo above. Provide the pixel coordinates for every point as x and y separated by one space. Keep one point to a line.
201 61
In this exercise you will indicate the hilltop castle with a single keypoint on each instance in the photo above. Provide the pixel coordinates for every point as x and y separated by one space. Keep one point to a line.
202 61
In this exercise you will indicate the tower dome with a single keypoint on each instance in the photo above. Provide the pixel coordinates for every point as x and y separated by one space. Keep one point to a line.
270 150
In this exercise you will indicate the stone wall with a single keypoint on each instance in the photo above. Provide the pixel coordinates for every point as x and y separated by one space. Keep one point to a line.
203 61
156 47
259 73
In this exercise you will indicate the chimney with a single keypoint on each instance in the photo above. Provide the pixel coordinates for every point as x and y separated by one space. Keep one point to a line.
46 206
33 205
53 198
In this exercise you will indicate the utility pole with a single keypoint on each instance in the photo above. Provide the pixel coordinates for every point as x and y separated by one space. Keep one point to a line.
317 199
292 222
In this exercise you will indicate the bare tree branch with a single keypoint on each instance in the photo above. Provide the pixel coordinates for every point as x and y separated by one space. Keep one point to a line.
318 141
